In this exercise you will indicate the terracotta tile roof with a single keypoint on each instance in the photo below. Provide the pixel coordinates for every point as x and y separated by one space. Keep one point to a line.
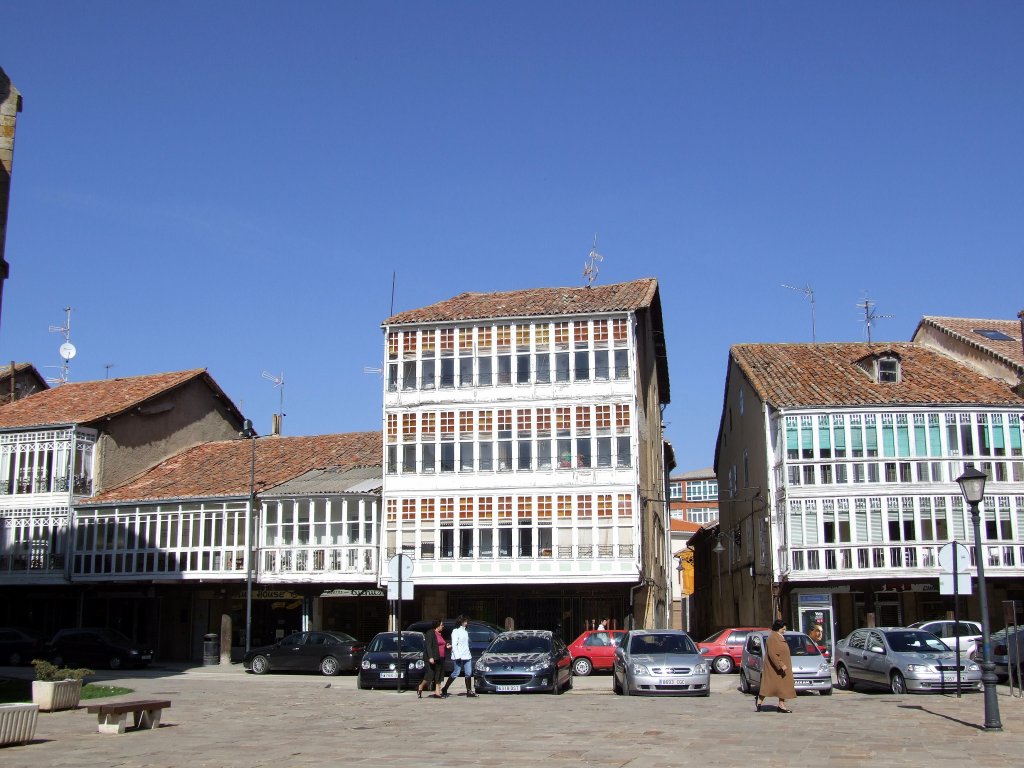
222 468
966 329
685 526
811 375
620 297
89 401
707 473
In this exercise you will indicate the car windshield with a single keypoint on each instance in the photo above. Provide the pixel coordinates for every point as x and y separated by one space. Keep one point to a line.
341 637
802 645
715 636
411 641
113 636
661 644
520 644
915 642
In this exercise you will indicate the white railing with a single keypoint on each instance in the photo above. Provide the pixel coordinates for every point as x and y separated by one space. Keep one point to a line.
328 561
893 557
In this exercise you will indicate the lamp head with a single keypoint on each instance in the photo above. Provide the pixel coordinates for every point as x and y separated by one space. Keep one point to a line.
718 548
972 485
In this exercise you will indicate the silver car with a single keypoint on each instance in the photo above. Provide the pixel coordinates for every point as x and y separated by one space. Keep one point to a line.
963 636
811 671
1008 653
660 661
901 660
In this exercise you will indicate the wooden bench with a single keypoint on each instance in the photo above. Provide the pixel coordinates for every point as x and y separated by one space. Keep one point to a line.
112 717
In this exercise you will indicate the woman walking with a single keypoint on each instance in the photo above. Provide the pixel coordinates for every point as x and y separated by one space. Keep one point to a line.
437 648
462 657
777 670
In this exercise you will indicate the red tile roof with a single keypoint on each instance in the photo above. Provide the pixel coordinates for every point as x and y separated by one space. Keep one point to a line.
222 468
966 329
89 401
811 375
620 297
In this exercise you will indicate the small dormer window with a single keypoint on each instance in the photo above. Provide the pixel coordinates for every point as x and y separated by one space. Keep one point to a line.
888 370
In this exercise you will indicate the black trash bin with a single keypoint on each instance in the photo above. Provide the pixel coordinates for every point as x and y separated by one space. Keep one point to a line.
211 650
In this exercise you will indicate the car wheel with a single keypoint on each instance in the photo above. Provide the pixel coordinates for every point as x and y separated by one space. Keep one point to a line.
843 678
329 666
723 665
260 665
568 686
897 683
616 688
14 660
582 667
556 685
359 681
826 692
115 662
625 685
744 685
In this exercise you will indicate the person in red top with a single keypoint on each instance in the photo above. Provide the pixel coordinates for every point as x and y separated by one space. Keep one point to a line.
437 648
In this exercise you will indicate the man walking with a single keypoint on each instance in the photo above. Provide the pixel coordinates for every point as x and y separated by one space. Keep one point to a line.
461 657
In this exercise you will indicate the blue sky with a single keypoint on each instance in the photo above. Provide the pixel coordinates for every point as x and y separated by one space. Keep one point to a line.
231 185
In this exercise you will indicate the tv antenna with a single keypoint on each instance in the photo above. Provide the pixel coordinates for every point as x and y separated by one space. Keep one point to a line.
66 350
590 269
809 293
870 315
279 385
107 367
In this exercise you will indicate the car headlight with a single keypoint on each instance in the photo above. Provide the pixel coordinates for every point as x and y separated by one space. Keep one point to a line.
482 667
540 666
133 653
920 668
418 664
365 664
972 667
823 668
640 669
702 669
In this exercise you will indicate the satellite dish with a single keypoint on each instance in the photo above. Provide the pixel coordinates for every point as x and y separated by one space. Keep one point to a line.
67 350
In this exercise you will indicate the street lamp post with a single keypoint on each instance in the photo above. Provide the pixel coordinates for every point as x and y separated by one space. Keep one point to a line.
249 433
972 486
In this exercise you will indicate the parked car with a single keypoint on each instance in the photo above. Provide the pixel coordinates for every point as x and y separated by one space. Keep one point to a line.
481 633
379 667
524 660
595 649
93 647
964 638
811 671
325 652
901 660
660 661
1007 650
19 646
724 649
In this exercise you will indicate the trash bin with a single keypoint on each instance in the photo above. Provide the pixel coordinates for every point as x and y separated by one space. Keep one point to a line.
211 650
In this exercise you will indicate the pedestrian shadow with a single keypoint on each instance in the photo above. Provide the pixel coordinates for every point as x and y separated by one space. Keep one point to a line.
918 707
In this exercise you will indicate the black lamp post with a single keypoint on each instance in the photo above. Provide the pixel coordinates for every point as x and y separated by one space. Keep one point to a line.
972 486
249 433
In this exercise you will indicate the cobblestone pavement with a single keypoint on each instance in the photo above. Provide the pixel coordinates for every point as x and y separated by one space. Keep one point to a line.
222 716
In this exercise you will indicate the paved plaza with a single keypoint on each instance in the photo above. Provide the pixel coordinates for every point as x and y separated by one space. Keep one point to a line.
222 716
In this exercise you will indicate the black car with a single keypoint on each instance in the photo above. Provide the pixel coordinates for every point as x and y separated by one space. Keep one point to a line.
380 665
481 633
524 660
19 646
91 647
325 652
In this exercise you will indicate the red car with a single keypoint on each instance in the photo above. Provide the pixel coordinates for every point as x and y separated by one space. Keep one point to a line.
595 649
725 647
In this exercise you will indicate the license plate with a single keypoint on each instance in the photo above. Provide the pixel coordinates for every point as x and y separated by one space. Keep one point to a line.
389 675
507 688
146 657
671 681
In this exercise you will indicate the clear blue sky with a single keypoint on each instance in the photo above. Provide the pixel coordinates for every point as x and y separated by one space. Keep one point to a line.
232 184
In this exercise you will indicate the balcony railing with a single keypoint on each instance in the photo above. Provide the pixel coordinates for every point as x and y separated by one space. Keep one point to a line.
921 559
318 560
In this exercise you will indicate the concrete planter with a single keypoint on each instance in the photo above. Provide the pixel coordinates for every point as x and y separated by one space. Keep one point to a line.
51 696
17 723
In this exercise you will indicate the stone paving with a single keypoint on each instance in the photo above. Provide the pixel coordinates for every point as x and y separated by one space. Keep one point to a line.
222 716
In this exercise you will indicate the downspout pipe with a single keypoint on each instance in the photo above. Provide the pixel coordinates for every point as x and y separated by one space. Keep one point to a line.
632 595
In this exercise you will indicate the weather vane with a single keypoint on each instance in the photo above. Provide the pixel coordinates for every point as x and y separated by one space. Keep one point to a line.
590 269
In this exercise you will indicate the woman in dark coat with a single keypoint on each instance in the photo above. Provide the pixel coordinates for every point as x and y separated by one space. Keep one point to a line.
777 670
437 648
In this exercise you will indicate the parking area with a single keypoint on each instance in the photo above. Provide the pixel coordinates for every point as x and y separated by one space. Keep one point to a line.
221 716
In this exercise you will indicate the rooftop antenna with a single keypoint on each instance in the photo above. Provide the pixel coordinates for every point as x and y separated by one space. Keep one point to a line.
870 315
809 293
67 349
590 269
279 385
107 368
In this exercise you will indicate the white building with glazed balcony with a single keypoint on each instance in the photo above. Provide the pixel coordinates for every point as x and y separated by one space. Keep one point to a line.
837 465
524 464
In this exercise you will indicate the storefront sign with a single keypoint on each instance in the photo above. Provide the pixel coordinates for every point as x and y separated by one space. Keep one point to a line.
369 592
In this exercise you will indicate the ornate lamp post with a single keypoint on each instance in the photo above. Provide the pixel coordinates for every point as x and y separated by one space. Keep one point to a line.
972 486
249 433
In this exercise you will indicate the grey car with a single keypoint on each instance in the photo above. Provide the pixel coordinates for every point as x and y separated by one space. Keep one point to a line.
902 660
660 661
1008 653
811 671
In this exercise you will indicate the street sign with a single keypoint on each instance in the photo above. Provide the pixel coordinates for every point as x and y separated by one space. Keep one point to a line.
403 562
963 584
406 590
958 551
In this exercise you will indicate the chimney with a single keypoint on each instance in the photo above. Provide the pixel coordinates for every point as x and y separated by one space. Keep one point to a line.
275 425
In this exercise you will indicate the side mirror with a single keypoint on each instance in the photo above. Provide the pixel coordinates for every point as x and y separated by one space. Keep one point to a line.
876 649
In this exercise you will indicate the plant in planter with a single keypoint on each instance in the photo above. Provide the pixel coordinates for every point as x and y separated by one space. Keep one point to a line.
57 687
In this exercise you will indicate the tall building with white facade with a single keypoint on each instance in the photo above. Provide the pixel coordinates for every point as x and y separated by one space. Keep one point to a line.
837 466
523 452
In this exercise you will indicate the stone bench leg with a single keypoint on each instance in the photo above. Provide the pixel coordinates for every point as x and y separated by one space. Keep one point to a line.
148 718
112 724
